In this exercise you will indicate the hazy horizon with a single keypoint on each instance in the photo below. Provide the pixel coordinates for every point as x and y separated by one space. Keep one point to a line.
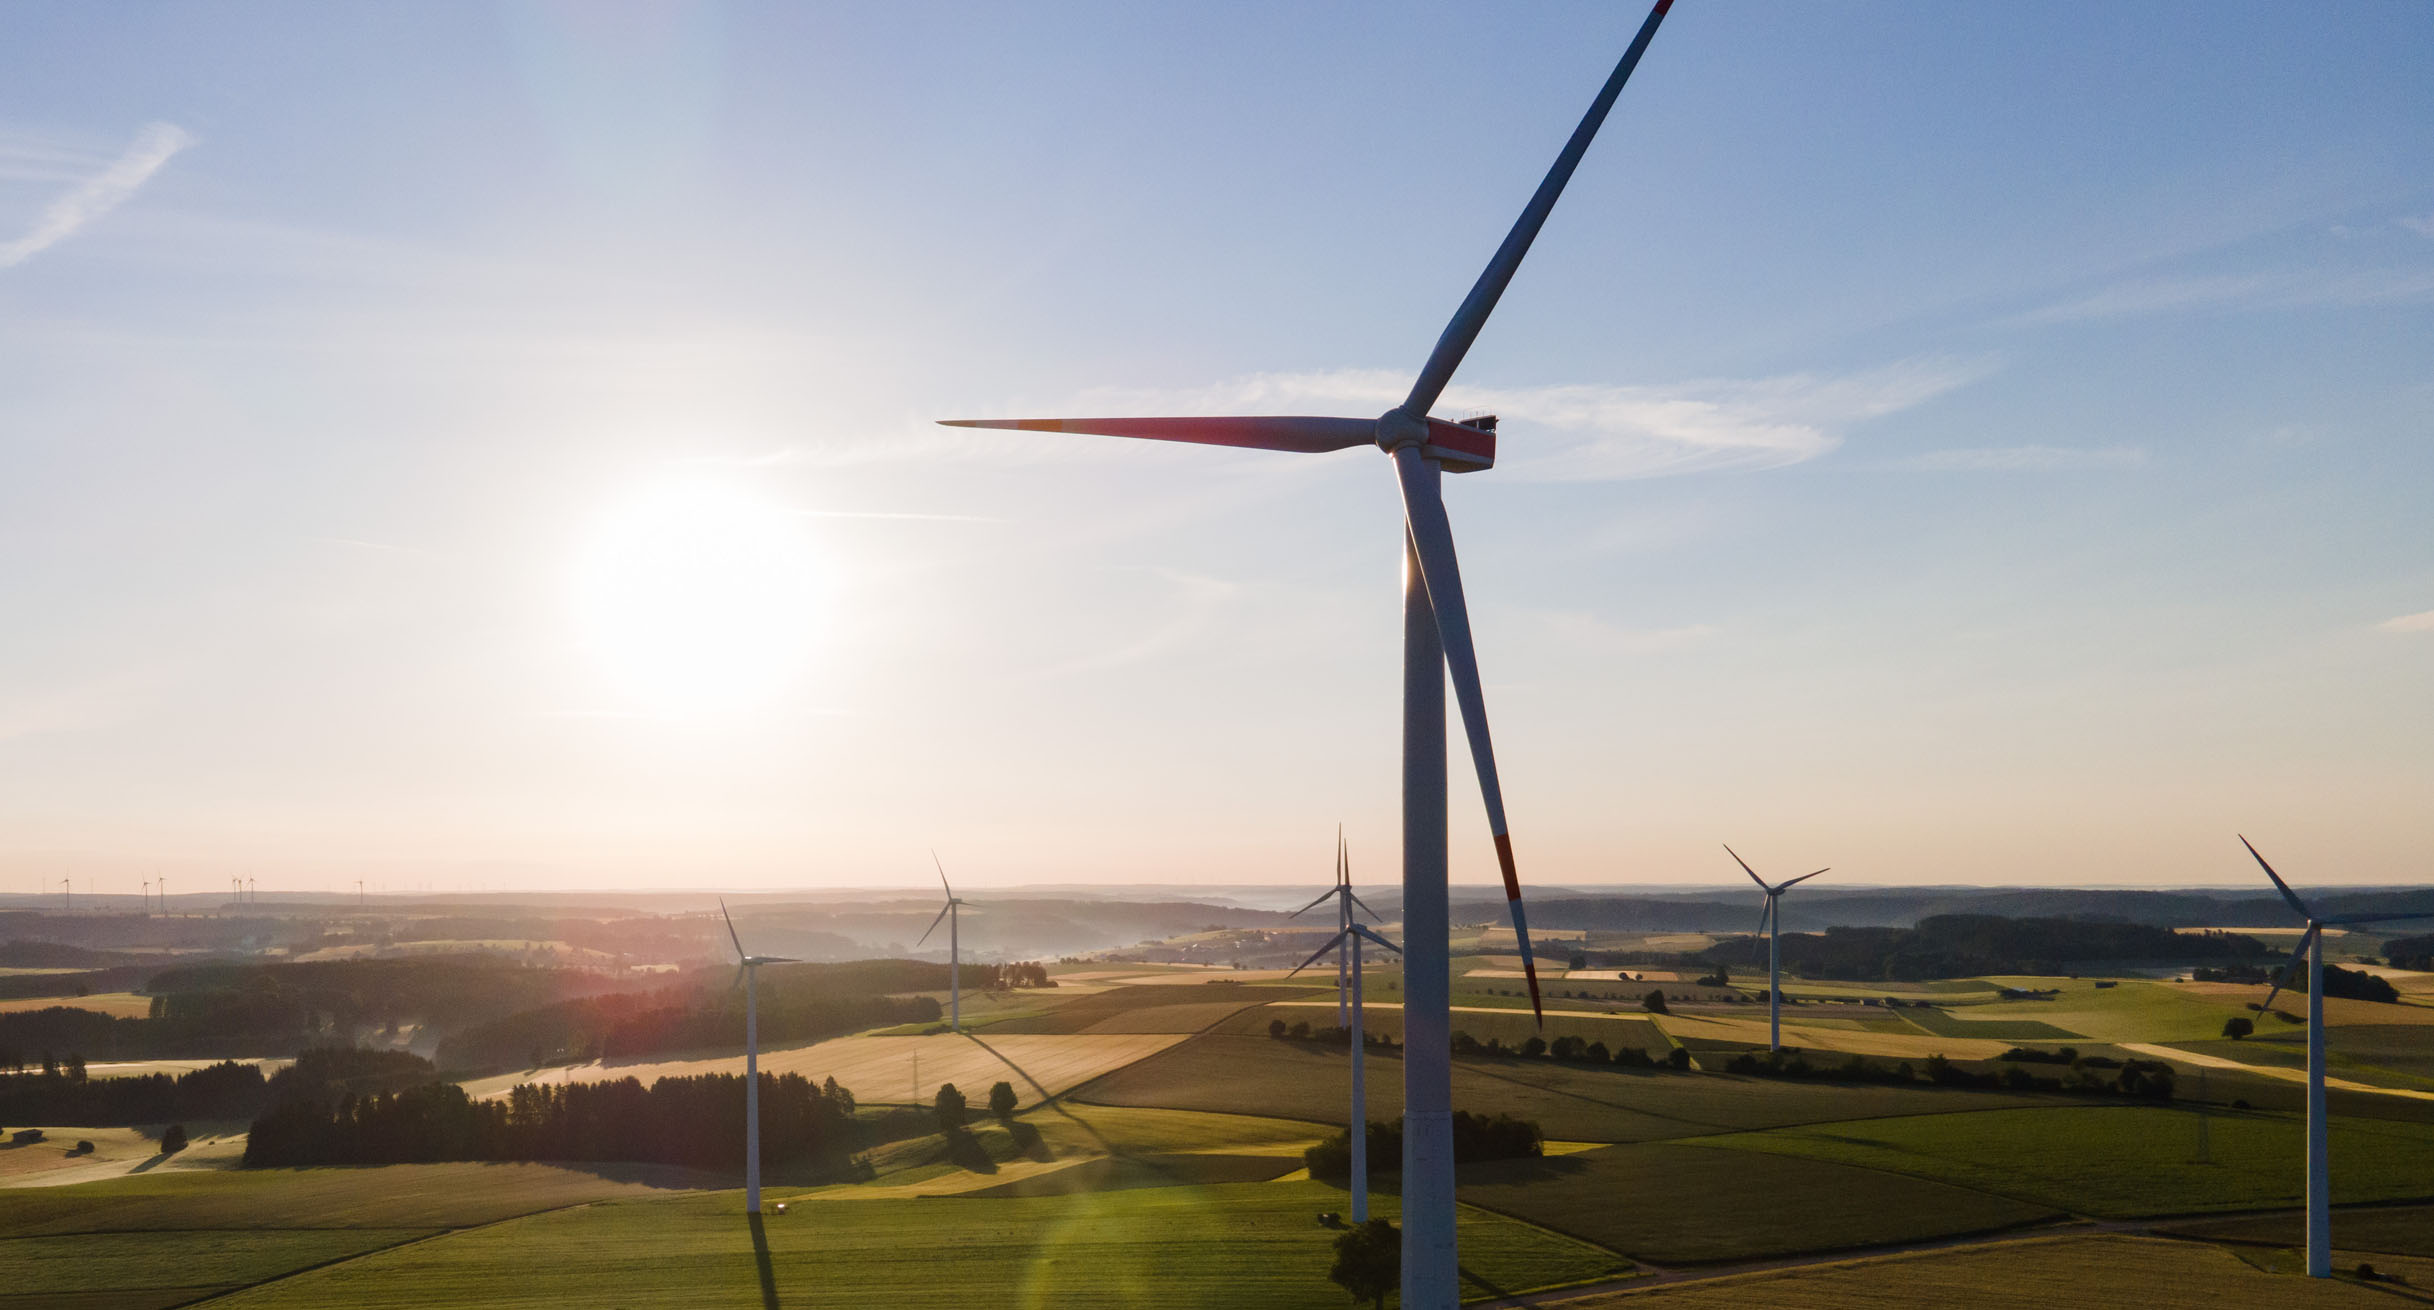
1974 444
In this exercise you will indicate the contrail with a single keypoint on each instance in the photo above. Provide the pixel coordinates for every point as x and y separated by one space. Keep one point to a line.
100 194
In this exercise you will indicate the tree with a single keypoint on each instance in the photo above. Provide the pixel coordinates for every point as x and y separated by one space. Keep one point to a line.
1001 1100
2237 1027
173 1139
1369 1261
1535 1047
950 1107
1678 1057
1276 1029
1654 1002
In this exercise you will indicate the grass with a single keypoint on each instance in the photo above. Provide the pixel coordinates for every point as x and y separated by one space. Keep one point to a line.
142 1263
1944 1023
2131 1011
1151 1008
1671 1203
2146 1272
2121 1161
1241 1244
389 1196
2390 1230
2399 1055
1246 1075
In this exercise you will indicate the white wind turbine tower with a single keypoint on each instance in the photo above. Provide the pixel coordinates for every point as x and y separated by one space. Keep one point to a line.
2311 953
954 920
747 973
1436 645
1349 938
1345 899
1770 922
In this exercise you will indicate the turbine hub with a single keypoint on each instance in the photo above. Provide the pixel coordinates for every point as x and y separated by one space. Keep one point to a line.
1398 428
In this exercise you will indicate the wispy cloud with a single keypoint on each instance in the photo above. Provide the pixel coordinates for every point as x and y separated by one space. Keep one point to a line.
2421 224
2025 459
1590 432
99 194
2421 622
2276 289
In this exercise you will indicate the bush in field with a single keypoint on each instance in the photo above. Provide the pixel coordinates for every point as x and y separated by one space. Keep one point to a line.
1654 1002
1369 1262
1678 1058
1276 1029
1533 1048
2238 1026
1477 1137
173 1139
1001 1100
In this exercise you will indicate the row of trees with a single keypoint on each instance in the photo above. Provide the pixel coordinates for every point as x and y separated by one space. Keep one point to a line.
696 1121
673 1019
227 1090
1477 1137
1973 945
2096 1075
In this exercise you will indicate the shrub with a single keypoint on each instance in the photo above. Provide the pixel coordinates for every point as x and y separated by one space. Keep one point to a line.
173 1139
2238 1026
1369 1262
1678 1058
1001 1100
1633 1057
1533 1048
1276 1029
1654 1002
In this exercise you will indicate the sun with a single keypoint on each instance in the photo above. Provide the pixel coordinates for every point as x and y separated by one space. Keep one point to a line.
698 598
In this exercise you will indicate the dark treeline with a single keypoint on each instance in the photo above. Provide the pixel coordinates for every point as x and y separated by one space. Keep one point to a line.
228 1090
1967 945
2095 1075
797 1002
695 1121
1477 1137
59 955
62 1094
2410 952
275 1009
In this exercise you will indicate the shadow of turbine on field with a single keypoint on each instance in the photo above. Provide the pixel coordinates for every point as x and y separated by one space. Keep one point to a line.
760 1260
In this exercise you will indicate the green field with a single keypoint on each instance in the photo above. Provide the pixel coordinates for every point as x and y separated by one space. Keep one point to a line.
2393 1055
1687 1204
1243 1244
390 1196
2118 1161
2135 1010
1513 1027
1247 1075
2098 1270
2391 1230
1940 1023
1150 1008
167 1267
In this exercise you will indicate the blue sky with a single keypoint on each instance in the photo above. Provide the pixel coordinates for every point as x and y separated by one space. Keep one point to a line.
1952 443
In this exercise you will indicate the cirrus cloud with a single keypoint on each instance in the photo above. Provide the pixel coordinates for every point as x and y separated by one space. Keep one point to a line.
99 194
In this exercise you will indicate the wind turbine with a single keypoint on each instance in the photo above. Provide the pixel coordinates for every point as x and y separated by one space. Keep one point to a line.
954 919
1436 641
1345 899
2311 952
1770 922
1349 938
747 973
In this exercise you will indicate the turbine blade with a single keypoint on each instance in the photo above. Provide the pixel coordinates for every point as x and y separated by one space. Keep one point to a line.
1432 539
1803 878
942 918
1296 433
1758 939
942 874
775 959
1472 316
739 977
2279 885
739 942
1753 873
1332 943
1365 932
1314 904
1356 899
2289 971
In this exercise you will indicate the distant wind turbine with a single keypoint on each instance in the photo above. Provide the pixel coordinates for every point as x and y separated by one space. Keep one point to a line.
1345 899
2311 953
1436 642
954 920
1347 944
747 974
1770 922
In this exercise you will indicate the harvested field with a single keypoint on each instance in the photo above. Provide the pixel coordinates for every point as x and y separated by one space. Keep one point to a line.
2387 1230
118 1005
881 1069
2030 1274
1146 1009
1691 1030
1686 1204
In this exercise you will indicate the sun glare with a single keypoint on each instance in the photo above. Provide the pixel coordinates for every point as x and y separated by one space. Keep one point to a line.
699 598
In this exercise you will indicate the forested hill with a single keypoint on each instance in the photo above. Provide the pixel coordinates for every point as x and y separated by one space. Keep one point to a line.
1968 945
1820 905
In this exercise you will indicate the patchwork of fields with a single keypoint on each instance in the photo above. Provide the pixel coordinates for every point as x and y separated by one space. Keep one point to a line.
1156 1158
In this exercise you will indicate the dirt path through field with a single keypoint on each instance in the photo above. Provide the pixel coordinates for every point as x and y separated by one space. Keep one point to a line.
2178 1056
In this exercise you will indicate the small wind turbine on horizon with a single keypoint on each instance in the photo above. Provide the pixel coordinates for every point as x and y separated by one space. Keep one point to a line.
1436 643
2311 953
1346 943
1770 922
953 916
1345 899
747 975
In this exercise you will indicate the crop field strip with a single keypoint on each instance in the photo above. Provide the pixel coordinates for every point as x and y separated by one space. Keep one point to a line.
1237 1244
2119 1161
2022 1274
